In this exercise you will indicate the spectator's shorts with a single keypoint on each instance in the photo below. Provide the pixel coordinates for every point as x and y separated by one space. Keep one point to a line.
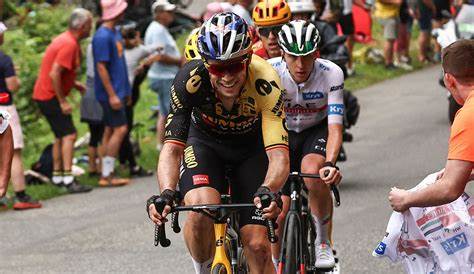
163 88
60 124
347 24
311 140
425 19
211 163
113 118
441 5
390 27
15 125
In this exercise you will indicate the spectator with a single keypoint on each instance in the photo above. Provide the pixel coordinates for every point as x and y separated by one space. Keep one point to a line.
402 44
269 16
424 13
242 8
6 144
388 13
57 76
111 86
301 10
215 7
458 66
135 52
91 113
9 83
346 21
166 64
441 17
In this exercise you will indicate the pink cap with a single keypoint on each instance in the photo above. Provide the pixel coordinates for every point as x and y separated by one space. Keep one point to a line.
112 8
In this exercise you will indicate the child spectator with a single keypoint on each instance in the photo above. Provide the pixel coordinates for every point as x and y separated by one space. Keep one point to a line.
388 13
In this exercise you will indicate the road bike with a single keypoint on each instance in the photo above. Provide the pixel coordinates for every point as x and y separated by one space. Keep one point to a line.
229 256
297 254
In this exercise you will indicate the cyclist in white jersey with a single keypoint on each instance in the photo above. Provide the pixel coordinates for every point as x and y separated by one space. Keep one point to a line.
314 110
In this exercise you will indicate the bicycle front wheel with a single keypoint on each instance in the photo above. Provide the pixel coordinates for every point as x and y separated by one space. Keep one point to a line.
219 269
290 248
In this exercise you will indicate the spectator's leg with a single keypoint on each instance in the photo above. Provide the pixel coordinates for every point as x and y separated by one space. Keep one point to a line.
17 175
67 150
57 163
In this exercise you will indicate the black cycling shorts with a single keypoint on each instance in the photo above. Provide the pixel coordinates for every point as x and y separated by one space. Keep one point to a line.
205 164
61 124
311 140
347 24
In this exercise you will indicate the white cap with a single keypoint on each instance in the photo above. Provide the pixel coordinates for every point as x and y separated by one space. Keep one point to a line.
3 28
163 5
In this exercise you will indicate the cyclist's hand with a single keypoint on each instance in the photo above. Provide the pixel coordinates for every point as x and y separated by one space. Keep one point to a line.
115 102
398 199
330 174
65 107
167 196
262 196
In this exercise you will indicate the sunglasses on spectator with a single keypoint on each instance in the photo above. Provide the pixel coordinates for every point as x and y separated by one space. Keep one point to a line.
222 69
265 31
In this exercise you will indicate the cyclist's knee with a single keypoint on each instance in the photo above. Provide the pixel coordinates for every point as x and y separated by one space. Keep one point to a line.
255 241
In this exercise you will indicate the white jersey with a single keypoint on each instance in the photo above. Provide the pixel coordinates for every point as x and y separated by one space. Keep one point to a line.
309 103
432 239
4 117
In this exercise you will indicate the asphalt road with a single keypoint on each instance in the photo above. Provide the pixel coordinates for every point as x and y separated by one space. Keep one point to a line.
401 136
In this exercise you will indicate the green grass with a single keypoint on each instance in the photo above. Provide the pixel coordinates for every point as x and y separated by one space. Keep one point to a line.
366 75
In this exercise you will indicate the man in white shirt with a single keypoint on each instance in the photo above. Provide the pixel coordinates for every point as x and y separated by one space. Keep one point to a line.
6 146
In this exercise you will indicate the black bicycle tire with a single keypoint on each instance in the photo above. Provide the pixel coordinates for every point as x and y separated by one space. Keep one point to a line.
217 269
291 246
310 239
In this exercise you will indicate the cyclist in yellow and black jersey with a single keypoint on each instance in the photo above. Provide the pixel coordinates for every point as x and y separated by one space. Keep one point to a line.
226 112
257 110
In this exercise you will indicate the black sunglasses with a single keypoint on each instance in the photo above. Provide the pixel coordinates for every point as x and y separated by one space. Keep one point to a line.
265 31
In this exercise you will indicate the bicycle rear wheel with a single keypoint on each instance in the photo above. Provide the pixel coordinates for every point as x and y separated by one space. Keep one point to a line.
219 269
290 248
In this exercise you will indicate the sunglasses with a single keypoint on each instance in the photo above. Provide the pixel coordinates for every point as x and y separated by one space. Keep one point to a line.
265 31
222 69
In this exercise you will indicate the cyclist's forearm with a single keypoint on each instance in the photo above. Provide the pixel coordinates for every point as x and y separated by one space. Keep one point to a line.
334 142
168 166
278 169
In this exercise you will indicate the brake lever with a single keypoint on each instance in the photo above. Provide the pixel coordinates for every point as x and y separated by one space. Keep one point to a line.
272 237
334 190
160 233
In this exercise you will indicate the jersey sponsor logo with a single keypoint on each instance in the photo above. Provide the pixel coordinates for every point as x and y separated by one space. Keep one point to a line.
227 125
334 88
200 179
176 104
189 158
264 87
336 109
258 215
299 109
380 249
169 119
313 95
455 244
194 83
323 67
278 108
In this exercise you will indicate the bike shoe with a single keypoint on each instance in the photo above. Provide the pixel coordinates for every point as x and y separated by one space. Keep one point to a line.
324 256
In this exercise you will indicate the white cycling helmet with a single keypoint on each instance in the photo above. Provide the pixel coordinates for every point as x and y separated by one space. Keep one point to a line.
301 6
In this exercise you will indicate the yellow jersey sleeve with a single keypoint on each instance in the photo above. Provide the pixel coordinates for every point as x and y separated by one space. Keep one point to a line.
269 94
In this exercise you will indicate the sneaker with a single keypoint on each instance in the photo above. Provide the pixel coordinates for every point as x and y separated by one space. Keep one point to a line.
25 202
3 203
139 171
404 66
75 188
350 71
324 256
390 67
113 181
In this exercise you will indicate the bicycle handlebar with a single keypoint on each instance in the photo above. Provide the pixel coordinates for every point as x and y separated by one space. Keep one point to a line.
160 234
334 188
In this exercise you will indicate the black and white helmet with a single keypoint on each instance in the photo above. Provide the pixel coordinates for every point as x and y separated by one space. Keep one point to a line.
299 38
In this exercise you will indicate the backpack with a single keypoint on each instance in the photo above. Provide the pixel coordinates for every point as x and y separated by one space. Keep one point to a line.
352 109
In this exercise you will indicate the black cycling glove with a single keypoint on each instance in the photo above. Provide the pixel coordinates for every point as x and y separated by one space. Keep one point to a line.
168 196
267 196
